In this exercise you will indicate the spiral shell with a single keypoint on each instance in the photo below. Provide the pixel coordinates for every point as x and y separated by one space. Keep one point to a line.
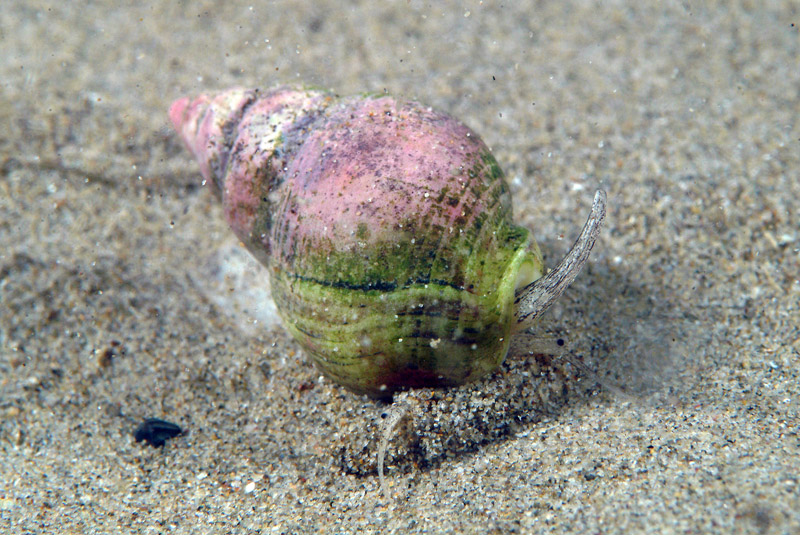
386 227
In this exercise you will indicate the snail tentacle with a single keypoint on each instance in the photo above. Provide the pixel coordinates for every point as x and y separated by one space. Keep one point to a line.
525 344
397 412
535 298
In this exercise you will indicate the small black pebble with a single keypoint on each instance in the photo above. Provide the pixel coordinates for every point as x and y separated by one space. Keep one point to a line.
156 432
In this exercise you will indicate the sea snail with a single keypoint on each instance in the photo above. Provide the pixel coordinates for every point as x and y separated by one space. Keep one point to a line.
386 227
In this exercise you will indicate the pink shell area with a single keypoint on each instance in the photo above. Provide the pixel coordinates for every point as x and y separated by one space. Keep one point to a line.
258 151
304 175
387 165
200 124
234 136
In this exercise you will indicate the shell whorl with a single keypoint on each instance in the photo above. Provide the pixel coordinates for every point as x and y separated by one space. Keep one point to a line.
386 226
242 139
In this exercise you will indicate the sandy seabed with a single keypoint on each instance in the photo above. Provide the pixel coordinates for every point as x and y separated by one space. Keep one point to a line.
124 296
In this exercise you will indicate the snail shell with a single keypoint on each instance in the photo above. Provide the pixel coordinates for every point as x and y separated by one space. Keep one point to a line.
386 227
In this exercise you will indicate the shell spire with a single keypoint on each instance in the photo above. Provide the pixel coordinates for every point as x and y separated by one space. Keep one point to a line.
238 138
201 123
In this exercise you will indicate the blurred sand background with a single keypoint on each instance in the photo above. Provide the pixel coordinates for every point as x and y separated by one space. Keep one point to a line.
124 296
